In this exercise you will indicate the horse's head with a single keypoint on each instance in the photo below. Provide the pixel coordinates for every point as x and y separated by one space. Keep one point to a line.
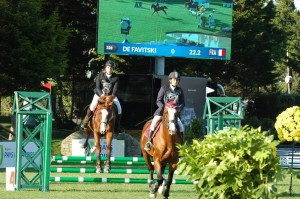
170 116
105 101
153 6
105 110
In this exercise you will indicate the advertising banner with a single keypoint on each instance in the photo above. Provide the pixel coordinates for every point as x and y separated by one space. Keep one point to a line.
118 147
8 154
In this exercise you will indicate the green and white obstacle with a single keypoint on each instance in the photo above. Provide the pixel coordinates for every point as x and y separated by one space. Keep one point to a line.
92 160
112 180
93 170
123 162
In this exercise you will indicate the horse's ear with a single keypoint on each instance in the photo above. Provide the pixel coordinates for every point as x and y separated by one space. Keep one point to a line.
101 100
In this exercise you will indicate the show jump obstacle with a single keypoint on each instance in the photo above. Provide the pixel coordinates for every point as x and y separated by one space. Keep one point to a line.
221 112
120 165
33 124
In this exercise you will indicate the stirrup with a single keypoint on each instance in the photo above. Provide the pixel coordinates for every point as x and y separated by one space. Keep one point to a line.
83 125
148 146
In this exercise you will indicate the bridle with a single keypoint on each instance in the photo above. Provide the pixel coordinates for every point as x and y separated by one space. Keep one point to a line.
170 124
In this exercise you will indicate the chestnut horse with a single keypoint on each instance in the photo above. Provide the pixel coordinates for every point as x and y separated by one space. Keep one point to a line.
103 123
163 150
158 8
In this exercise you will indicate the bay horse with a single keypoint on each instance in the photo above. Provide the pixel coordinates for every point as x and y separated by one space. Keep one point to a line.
190 5
102 123
163 150
158 8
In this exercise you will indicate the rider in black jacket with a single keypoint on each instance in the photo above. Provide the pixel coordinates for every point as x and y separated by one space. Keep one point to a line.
166 94
106 84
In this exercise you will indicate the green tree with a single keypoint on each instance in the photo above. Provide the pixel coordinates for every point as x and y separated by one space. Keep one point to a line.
254 47
32 46
79 17
287 20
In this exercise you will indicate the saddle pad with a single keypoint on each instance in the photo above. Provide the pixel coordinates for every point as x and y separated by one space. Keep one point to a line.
155 129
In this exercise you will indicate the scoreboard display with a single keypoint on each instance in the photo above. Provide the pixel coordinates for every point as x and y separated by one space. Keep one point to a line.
165 28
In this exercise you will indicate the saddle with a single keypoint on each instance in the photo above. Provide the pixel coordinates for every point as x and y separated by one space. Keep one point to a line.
156 130
157 126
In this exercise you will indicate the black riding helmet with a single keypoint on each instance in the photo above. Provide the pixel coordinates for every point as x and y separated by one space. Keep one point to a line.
175 75
110 63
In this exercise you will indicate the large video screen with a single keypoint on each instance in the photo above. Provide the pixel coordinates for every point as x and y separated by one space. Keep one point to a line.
165 28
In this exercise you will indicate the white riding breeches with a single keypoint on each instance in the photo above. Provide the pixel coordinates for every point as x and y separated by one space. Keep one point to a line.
117 103
181 126
94 103
157 118
154 121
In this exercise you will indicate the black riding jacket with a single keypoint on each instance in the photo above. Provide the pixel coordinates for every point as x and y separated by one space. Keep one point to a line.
161 98
103 81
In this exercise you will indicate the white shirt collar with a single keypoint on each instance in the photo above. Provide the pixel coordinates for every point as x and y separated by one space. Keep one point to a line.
107 75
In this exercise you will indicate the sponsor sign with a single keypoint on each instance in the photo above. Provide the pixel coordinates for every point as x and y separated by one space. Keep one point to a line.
118 148
8 154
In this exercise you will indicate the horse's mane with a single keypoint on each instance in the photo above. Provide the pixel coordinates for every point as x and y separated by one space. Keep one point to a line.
105 101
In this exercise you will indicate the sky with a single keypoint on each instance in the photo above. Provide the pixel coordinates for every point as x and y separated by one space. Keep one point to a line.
297 4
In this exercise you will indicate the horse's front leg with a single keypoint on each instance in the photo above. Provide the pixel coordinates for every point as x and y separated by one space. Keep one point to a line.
107 165
161 188
158 168
98 153
172 169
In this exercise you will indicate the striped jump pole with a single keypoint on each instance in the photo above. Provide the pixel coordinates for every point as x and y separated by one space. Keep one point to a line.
112 180
93 162
93 158
93 170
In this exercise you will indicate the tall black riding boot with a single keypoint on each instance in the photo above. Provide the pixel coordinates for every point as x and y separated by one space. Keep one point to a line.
118 128
148 145
86 119
181 138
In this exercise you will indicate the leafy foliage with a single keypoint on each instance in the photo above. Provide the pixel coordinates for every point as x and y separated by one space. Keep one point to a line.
194 130
239 163
288 124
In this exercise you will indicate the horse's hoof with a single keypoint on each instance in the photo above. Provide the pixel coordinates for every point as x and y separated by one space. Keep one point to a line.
162 188
99 169
107 168
152 195
93 149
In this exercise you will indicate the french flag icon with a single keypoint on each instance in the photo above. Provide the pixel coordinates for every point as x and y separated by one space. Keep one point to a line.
222 52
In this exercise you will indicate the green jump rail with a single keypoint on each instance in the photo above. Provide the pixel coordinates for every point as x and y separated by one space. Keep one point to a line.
93 170
93 158
112 180
93 162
